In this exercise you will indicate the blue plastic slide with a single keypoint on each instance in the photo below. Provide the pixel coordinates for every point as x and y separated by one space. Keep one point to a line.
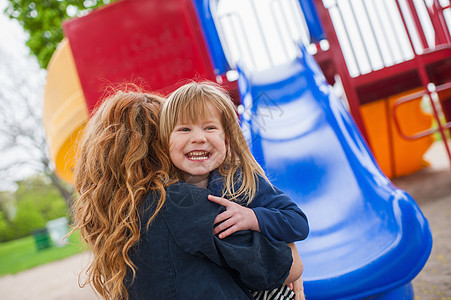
368 237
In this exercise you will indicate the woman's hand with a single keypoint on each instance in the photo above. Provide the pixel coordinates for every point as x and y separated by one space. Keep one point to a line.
235 218
298 289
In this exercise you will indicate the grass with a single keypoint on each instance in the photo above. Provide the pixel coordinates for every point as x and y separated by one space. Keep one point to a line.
22 254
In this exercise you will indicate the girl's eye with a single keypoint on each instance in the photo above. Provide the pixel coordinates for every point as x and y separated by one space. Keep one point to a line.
210 127
183 129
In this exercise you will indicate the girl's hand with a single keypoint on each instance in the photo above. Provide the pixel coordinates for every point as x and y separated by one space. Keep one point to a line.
235 218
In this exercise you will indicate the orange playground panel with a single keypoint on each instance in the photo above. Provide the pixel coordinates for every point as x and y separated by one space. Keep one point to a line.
396 155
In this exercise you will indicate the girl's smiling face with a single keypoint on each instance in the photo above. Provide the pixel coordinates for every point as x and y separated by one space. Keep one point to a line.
197 148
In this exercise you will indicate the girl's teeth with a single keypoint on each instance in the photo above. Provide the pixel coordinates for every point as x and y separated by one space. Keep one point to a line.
198 155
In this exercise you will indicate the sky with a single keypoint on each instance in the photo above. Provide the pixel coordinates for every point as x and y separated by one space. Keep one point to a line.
12 37
27 70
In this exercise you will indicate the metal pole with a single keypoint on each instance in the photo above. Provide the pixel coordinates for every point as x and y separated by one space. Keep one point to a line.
340 63
384 36
354 55
259 25
425 81
279 31
365 46
373 32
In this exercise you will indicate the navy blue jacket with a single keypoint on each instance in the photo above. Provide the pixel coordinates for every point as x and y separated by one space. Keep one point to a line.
179 257
279 218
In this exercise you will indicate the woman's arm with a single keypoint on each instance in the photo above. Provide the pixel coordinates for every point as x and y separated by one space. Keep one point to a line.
298 289
256 261
296 267
294 279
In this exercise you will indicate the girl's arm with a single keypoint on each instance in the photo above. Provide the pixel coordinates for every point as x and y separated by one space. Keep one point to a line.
271 212
279 218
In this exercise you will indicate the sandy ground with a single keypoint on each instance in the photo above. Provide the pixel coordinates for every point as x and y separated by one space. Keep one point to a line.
53 281
430 187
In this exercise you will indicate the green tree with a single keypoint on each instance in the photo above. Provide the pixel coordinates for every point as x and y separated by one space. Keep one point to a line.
7 212
38 193
7 204
27 219
36 201
42 20
5 228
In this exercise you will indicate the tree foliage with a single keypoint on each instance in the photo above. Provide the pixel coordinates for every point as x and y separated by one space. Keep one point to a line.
42 20
39 192
36 201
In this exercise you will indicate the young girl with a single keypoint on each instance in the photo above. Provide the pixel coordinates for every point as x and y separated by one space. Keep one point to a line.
199 128
150 240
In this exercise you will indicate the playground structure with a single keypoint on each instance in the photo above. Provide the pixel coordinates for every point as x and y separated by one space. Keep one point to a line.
403 57
368 238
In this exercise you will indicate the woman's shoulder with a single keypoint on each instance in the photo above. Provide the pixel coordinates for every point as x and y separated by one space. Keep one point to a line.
177 193
176 190
185 196
183 200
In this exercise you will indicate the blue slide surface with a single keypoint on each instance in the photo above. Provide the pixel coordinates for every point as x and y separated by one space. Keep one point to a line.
367 236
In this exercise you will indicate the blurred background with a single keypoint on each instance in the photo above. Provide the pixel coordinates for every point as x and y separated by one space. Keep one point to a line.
392 72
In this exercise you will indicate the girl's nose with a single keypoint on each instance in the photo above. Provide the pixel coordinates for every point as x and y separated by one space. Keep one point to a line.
198 136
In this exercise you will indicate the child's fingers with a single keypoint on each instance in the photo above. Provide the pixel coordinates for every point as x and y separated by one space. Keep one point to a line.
218 200
228 232
224 225
223 216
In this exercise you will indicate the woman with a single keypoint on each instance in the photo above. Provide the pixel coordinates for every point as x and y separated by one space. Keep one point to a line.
152 238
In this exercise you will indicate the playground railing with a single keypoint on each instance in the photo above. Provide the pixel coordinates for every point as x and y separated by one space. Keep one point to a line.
401 45
433 96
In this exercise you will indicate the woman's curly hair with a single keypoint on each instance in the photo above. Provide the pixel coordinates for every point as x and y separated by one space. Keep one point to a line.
119 160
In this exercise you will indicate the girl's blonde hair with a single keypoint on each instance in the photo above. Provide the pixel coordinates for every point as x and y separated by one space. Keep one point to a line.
119 161
189 103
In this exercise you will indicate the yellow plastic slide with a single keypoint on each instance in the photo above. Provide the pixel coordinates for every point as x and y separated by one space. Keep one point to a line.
65 111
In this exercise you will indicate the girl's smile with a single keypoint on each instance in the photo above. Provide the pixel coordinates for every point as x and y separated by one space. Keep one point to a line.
198 155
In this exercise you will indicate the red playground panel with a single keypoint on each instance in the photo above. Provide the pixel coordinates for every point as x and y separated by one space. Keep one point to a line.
159 42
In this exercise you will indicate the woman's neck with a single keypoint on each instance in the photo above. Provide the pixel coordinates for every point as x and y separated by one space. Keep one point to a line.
197 180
